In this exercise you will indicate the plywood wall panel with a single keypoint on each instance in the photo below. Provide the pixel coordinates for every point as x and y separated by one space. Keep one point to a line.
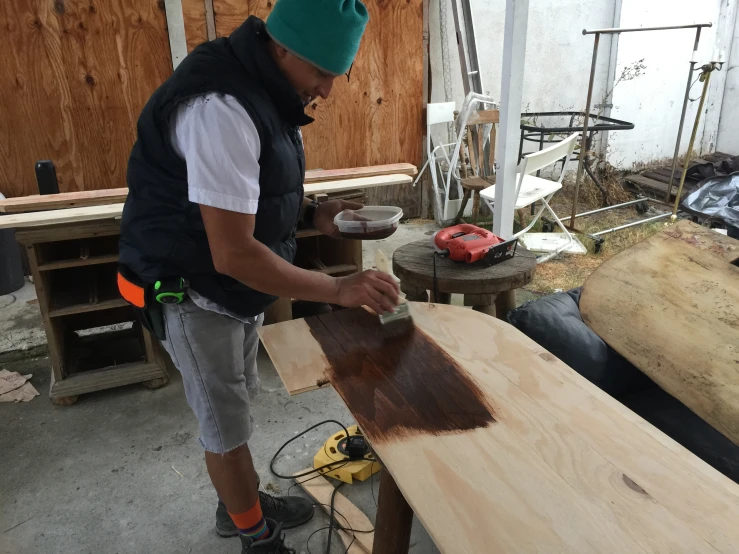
377 116
74 76
193 15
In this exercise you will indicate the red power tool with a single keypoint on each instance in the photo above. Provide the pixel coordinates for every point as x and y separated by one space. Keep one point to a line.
470 243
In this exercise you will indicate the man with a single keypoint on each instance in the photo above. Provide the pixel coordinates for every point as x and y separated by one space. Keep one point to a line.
215 192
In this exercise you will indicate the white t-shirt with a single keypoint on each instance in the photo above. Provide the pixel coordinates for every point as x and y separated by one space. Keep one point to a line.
220 145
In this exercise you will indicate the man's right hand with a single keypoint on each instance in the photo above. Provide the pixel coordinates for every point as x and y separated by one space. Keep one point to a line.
371 288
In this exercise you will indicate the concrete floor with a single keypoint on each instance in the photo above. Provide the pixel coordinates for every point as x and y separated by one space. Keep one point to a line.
122 472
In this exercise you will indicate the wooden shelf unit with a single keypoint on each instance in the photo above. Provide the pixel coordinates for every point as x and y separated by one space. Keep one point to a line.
95 341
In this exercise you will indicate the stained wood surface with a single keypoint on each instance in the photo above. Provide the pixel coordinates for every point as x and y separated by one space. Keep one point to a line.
413 264
670 305
79 199
376 117
73 78
564 468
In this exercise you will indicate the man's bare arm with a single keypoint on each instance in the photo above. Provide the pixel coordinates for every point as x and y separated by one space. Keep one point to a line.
239 255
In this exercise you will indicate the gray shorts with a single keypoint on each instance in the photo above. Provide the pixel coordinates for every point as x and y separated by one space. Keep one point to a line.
217 357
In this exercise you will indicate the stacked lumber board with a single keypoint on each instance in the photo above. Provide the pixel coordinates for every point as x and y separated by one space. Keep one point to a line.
107 211
116 196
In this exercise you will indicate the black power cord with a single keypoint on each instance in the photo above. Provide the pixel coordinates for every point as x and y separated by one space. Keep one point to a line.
319 473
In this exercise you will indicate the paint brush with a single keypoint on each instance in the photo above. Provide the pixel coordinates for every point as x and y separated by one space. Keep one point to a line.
399 321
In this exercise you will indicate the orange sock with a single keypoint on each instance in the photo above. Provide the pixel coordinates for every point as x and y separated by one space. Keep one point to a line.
251 523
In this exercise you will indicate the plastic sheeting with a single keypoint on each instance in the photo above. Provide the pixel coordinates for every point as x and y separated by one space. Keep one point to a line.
717 198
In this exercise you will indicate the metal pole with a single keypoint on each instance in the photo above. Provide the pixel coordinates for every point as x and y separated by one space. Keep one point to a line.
637 29
708 69
632 224
584 141
607 208
682 115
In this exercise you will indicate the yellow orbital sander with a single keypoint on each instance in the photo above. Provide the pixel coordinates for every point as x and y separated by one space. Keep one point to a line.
360 462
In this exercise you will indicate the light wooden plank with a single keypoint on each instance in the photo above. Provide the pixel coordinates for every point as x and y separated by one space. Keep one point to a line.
56 217
564 468
672 309
38 202
318 175
359 183
320 489
388 175
107 378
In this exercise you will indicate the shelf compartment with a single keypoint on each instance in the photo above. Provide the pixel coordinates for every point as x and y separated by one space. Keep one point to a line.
78 252
83 289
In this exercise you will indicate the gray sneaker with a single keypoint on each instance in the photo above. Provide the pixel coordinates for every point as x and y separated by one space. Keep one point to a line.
273 545
289 511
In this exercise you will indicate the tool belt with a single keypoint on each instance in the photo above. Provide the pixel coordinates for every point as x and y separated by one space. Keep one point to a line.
147 298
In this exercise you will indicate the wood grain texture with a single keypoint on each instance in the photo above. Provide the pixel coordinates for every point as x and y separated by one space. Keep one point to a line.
74 76
413 264
318 175
193 15
565 468
377 116
670 305
360 183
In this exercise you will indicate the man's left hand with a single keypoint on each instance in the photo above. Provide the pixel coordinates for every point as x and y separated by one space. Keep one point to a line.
323 220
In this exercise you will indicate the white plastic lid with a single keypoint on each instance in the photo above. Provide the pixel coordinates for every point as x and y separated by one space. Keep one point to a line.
368 219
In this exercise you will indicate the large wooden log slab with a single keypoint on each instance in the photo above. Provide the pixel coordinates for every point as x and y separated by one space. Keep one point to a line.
559 466
670 305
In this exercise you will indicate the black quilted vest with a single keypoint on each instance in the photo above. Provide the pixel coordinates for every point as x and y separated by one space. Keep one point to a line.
162 232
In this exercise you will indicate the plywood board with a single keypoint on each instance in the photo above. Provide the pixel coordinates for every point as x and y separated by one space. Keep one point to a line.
670 305
562 468
73 78
376 116
194 18
318 175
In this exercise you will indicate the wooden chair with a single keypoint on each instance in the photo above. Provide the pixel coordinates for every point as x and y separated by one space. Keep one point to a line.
479 174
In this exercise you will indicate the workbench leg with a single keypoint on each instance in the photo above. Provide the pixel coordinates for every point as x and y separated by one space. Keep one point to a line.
483 303
444 298
505 302
413 294
394 519
475 207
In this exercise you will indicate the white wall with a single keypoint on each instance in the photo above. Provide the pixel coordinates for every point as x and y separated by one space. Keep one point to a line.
653 101
558 59
728 129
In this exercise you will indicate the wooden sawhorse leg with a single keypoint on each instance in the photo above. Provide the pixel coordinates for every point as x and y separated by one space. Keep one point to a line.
394 519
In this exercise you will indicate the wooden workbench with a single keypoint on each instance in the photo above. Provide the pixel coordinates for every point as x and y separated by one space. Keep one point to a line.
498 446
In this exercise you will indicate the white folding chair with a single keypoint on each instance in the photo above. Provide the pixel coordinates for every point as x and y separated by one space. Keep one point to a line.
436 114
530 189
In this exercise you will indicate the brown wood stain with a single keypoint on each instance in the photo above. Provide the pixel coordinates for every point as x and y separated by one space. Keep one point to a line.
397 387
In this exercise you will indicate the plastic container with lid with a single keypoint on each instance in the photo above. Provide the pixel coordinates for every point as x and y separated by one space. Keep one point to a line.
369 223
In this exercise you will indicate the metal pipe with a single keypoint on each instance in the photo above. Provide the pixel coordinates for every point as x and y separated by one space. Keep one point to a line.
680 130
614 207
632 224
637 29
682 115
586 120
686 163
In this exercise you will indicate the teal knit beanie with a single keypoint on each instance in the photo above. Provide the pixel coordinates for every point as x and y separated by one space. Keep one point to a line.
325 33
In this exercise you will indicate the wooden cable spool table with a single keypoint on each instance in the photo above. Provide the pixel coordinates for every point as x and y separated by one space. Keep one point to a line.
498 446
490 290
